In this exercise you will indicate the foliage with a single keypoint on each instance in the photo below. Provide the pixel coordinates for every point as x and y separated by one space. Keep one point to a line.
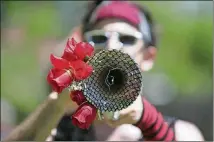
185 50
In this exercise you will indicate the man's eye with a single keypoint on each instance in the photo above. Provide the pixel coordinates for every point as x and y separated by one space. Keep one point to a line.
97 39
127 39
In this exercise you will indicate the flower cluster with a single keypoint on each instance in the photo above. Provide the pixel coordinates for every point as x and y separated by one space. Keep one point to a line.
72 67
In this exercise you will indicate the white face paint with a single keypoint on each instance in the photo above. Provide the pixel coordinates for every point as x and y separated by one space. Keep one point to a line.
116 26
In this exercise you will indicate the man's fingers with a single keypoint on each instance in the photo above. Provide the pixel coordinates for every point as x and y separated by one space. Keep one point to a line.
126 111
123 119
136 105
52 135
49 138
125 132
53 95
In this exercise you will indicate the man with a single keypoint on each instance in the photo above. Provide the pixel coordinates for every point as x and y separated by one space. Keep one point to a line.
122 26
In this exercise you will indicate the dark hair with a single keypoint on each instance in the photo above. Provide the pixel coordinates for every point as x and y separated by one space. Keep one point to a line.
66 131
94 4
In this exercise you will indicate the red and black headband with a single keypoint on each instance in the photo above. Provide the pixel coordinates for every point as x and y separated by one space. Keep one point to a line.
124 11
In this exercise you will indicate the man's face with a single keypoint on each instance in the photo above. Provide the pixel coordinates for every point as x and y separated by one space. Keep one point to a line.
115 34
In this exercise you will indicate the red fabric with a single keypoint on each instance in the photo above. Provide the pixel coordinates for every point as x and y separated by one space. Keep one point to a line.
59 79
77 51
153 126
71 66
78 97
79 69
170 136
69 50
157 125
59 62
119 9
83 49
84 116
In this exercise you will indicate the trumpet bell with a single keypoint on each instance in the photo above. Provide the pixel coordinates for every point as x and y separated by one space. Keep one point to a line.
115 83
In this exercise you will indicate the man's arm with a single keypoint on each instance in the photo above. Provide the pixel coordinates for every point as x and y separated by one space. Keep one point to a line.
39 124
186 131
153 125
125 132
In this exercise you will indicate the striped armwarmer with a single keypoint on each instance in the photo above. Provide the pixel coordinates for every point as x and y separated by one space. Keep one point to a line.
153 126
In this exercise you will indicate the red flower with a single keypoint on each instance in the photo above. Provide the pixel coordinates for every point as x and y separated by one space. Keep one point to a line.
84 116
81 70
70 66
59 79
78 97
83 49
69 50
77 51
59 63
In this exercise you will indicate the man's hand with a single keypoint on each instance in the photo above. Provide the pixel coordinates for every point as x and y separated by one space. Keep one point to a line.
130 115
125 132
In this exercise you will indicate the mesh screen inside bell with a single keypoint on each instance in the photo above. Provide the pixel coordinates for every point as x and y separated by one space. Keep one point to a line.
115 83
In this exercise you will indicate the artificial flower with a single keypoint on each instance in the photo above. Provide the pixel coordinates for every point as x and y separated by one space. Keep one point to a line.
69 50
83 50
59 63
84 116
78 97
81 70
77 51
59 79
71 66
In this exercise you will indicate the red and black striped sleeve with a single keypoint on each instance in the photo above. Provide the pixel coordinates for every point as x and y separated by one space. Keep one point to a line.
153 126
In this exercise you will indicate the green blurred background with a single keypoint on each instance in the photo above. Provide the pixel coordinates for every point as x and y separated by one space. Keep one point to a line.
31 30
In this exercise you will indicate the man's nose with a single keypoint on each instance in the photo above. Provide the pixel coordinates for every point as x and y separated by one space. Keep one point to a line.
113 43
